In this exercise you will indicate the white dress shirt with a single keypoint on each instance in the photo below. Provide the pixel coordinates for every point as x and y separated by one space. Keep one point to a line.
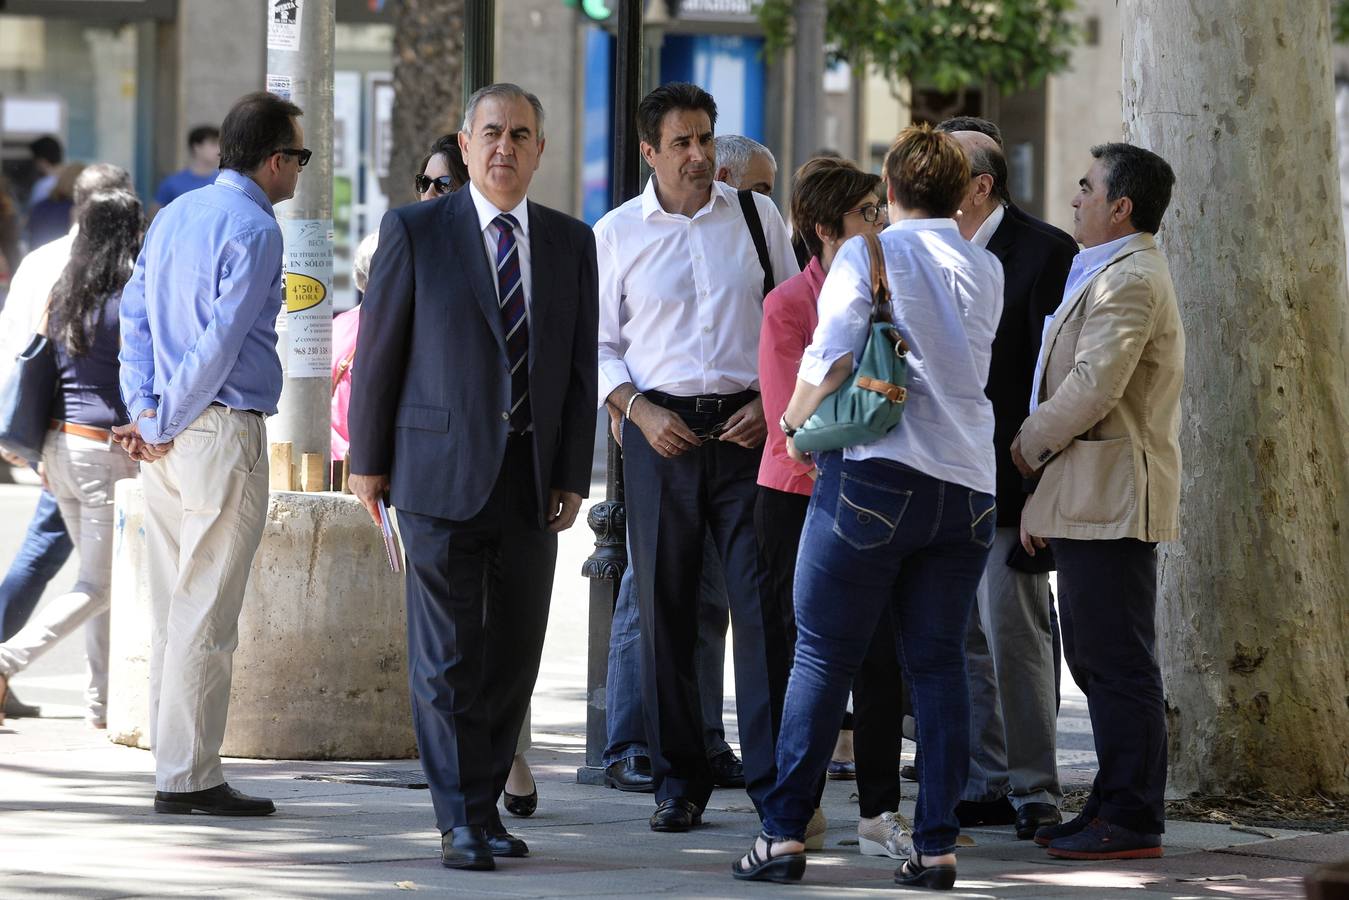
984 233
947 299
1086 265
487 211
681 297
28 292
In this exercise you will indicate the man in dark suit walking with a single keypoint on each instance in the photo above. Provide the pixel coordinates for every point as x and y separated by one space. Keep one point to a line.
1010 648
472 407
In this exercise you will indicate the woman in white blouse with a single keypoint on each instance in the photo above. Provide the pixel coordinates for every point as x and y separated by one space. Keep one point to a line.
905 521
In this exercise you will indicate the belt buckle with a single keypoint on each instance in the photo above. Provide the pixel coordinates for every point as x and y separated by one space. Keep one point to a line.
707 405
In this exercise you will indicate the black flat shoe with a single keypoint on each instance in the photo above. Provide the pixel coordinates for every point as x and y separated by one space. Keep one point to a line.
1034 816
17 709
786 868
632 774
915 874
676 815
466 847
972 814
522 806
221 800
727 770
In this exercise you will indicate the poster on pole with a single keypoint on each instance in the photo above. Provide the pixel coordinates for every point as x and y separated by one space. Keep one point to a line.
283 24
308 292
280 85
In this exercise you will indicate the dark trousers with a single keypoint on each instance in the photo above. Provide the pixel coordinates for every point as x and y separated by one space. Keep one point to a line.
672 504
477 599
45 549
1108 604
878 693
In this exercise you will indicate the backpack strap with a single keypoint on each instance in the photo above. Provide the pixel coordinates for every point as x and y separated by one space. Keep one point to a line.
756 233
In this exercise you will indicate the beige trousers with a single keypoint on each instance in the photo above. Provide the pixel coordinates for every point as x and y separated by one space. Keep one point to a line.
205 507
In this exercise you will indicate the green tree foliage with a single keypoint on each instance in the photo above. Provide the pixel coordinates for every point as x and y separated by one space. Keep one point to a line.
947 44
1339 16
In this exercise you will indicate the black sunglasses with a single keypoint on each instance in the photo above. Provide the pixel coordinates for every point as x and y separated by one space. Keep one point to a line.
300 153
444 184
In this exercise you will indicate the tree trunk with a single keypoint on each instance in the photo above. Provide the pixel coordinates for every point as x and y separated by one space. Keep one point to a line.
1238 97
428 49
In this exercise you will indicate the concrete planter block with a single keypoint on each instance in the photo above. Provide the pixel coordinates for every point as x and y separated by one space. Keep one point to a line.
321 667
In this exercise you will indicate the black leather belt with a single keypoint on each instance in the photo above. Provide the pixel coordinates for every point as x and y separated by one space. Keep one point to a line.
223 406
707 405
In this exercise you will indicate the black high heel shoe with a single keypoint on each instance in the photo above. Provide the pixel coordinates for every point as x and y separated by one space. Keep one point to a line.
785 869
914 873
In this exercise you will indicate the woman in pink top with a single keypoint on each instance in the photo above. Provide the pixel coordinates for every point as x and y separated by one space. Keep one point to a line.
442 172
832 201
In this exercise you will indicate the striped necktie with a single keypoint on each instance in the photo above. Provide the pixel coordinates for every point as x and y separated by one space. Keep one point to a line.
513 319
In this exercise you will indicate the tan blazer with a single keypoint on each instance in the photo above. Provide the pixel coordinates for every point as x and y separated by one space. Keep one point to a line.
1107 427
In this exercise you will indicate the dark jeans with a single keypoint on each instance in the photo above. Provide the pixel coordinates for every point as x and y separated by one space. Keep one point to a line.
880 535
672 504
45 549
477 606
1108 604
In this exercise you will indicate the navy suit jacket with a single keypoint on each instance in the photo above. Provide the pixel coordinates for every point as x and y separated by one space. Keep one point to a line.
431 388
1035 259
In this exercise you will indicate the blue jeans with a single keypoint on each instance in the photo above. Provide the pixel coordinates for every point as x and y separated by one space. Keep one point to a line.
877 534
45 549
623 691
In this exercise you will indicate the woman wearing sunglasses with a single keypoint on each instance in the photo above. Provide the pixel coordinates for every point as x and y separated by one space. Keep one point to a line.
442 172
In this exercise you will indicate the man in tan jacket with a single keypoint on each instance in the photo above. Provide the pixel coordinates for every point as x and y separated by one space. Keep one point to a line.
1103 437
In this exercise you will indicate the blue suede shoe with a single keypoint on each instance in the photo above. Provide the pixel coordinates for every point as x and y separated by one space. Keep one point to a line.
1101 840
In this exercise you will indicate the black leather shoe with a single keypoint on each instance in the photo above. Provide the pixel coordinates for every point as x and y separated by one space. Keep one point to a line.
503 843
993 812
632 774
727 769
1034 816
676 814
221 800
908 772
466 847
17 709
521 805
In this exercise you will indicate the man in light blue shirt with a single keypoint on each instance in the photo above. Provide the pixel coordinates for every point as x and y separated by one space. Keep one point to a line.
199 372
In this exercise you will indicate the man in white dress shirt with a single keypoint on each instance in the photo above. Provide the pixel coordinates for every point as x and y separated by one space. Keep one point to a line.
681 294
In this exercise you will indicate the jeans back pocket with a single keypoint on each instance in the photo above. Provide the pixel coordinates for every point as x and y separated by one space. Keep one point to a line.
983 518
868 513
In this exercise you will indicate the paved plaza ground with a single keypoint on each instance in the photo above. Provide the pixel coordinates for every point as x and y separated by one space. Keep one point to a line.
76 818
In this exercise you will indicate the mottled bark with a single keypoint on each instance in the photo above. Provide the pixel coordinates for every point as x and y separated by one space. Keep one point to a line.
428 48
1238 96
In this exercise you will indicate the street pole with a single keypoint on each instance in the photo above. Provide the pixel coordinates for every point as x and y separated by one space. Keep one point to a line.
808 80
479 45
609 519
300 39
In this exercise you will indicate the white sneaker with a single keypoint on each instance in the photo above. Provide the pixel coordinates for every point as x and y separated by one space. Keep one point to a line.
815 830
889 834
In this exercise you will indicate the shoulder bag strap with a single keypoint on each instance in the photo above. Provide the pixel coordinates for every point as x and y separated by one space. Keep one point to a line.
756 233
880 284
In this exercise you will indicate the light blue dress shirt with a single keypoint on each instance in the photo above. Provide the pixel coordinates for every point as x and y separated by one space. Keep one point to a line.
1086 265
199 313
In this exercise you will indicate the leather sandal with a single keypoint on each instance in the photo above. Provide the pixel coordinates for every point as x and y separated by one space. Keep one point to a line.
787 868
938 878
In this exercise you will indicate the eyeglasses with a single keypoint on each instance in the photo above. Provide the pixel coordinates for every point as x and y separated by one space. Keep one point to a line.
300 153
443 185
871 212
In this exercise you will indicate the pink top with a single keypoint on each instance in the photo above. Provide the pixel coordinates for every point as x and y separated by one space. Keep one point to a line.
345 328
789 320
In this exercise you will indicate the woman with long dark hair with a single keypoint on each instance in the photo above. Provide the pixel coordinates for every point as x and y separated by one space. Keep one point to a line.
80 463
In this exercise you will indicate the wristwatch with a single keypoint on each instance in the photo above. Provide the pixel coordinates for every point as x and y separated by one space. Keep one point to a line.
788 430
